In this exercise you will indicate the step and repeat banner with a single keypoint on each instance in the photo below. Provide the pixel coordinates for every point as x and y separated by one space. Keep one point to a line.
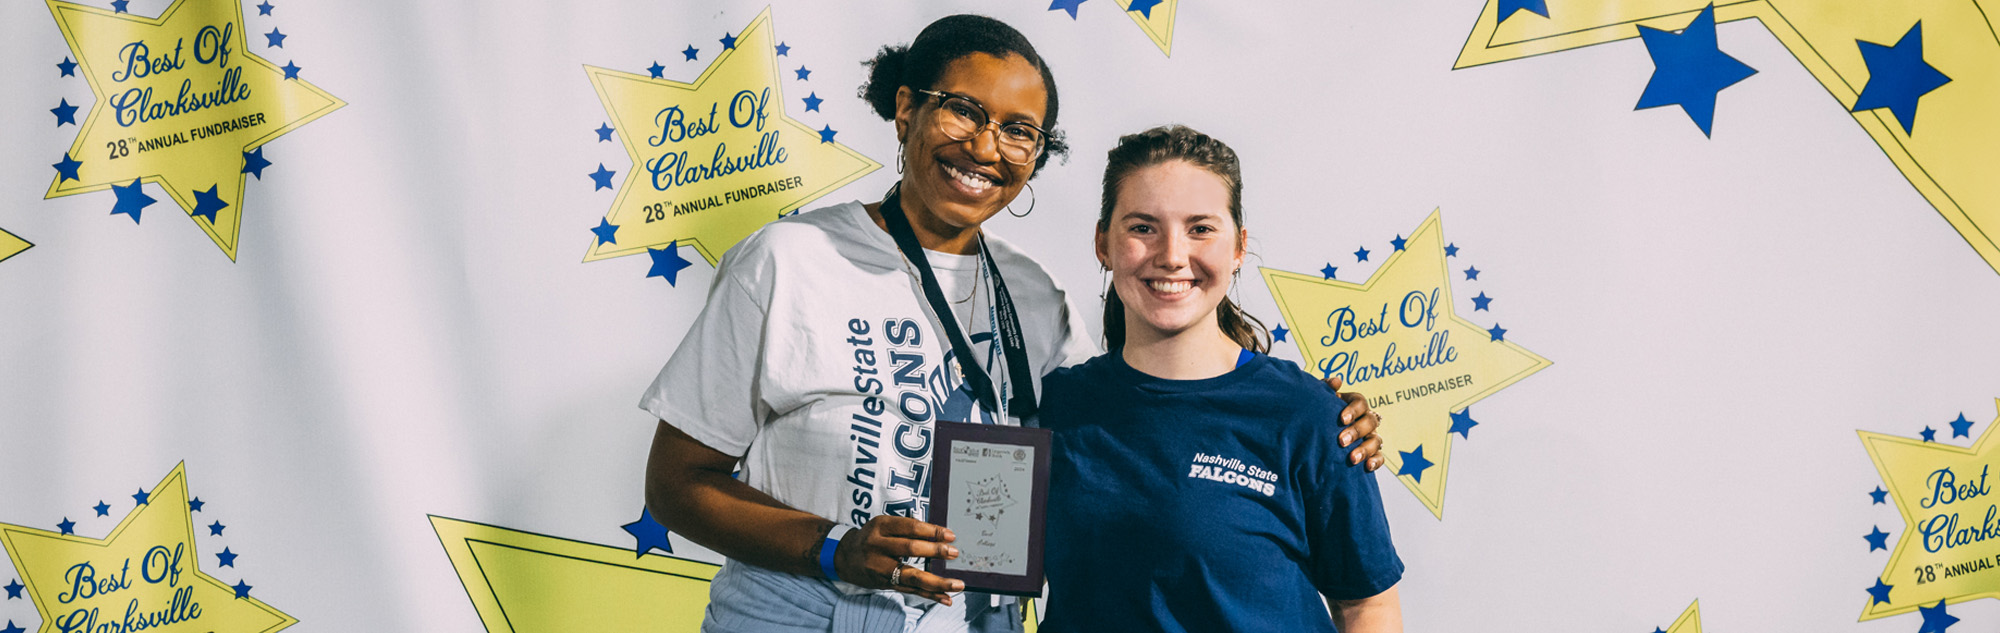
332 316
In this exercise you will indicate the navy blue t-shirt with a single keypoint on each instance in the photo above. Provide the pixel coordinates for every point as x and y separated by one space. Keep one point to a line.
1221 504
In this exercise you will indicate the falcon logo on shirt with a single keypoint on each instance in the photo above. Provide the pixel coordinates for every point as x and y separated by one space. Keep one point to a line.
1233 471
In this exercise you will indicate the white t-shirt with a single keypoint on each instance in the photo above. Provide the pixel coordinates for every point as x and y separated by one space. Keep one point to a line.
817 360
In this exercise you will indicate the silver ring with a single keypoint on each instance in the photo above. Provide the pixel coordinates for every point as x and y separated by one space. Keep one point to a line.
896 576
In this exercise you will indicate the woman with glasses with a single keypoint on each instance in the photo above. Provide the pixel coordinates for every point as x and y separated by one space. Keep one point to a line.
834 339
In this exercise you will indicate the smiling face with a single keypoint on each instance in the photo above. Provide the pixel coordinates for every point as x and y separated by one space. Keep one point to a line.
1171 247
950 187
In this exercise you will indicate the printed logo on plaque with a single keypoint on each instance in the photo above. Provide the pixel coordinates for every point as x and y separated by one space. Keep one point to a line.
1398 339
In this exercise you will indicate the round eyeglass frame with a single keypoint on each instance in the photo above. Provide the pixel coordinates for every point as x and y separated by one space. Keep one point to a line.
945 124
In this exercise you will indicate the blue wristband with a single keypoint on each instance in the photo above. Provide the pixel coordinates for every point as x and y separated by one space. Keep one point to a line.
827 547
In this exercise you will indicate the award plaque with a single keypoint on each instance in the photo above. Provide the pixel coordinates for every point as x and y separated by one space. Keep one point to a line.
991 486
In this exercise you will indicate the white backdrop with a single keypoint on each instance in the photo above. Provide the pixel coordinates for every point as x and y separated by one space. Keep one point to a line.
408 329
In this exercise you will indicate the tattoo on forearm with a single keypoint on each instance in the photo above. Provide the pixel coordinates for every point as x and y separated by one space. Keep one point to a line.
811 554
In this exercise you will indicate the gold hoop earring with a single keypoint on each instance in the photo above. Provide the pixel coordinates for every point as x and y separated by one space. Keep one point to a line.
1031 203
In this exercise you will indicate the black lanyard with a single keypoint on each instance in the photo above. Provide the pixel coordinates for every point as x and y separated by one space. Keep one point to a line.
1022 405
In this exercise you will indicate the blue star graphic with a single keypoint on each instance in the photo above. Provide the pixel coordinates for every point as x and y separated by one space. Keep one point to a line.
1279 333
225 558
1499 333
602 177
1472 273
1510 7
1066 5
783 49
649 533
242 590
826 134
254 163
1479 302
119 5
131 200
1462 423
1930 435
667 262
1688 69
802 73
812 102
141 497
691 53
65 113
1361 254
11 628
607 233
1329 270
1144 7
14 589
1414 464
1398 242
264 8
1451 250
1961 427
291 70
728 42
274 39
1935 619
195 504
206 203
67 67
1880 592
657 70
102 508
604 132
216 528
1879 495
1898 76
1877 539
67 526
66 170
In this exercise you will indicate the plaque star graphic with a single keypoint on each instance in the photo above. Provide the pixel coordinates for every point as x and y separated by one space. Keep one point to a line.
658 204
533 583
1327 317
157 529
161 148
1843 46
1920 477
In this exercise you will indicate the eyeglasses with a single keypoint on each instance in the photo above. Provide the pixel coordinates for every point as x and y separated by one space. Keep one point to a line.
961 119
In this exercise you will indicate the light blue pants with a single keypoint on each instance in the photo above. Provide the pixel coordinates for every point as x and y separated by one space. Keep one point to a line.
749 599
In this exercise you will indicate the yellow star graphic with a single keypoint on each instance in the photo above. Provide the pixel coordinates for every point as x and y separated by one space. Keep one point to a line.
1157 20
144 575
1690 620
11 245
523 582
715 159
1949 548
179 99
1949 159
1398 339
